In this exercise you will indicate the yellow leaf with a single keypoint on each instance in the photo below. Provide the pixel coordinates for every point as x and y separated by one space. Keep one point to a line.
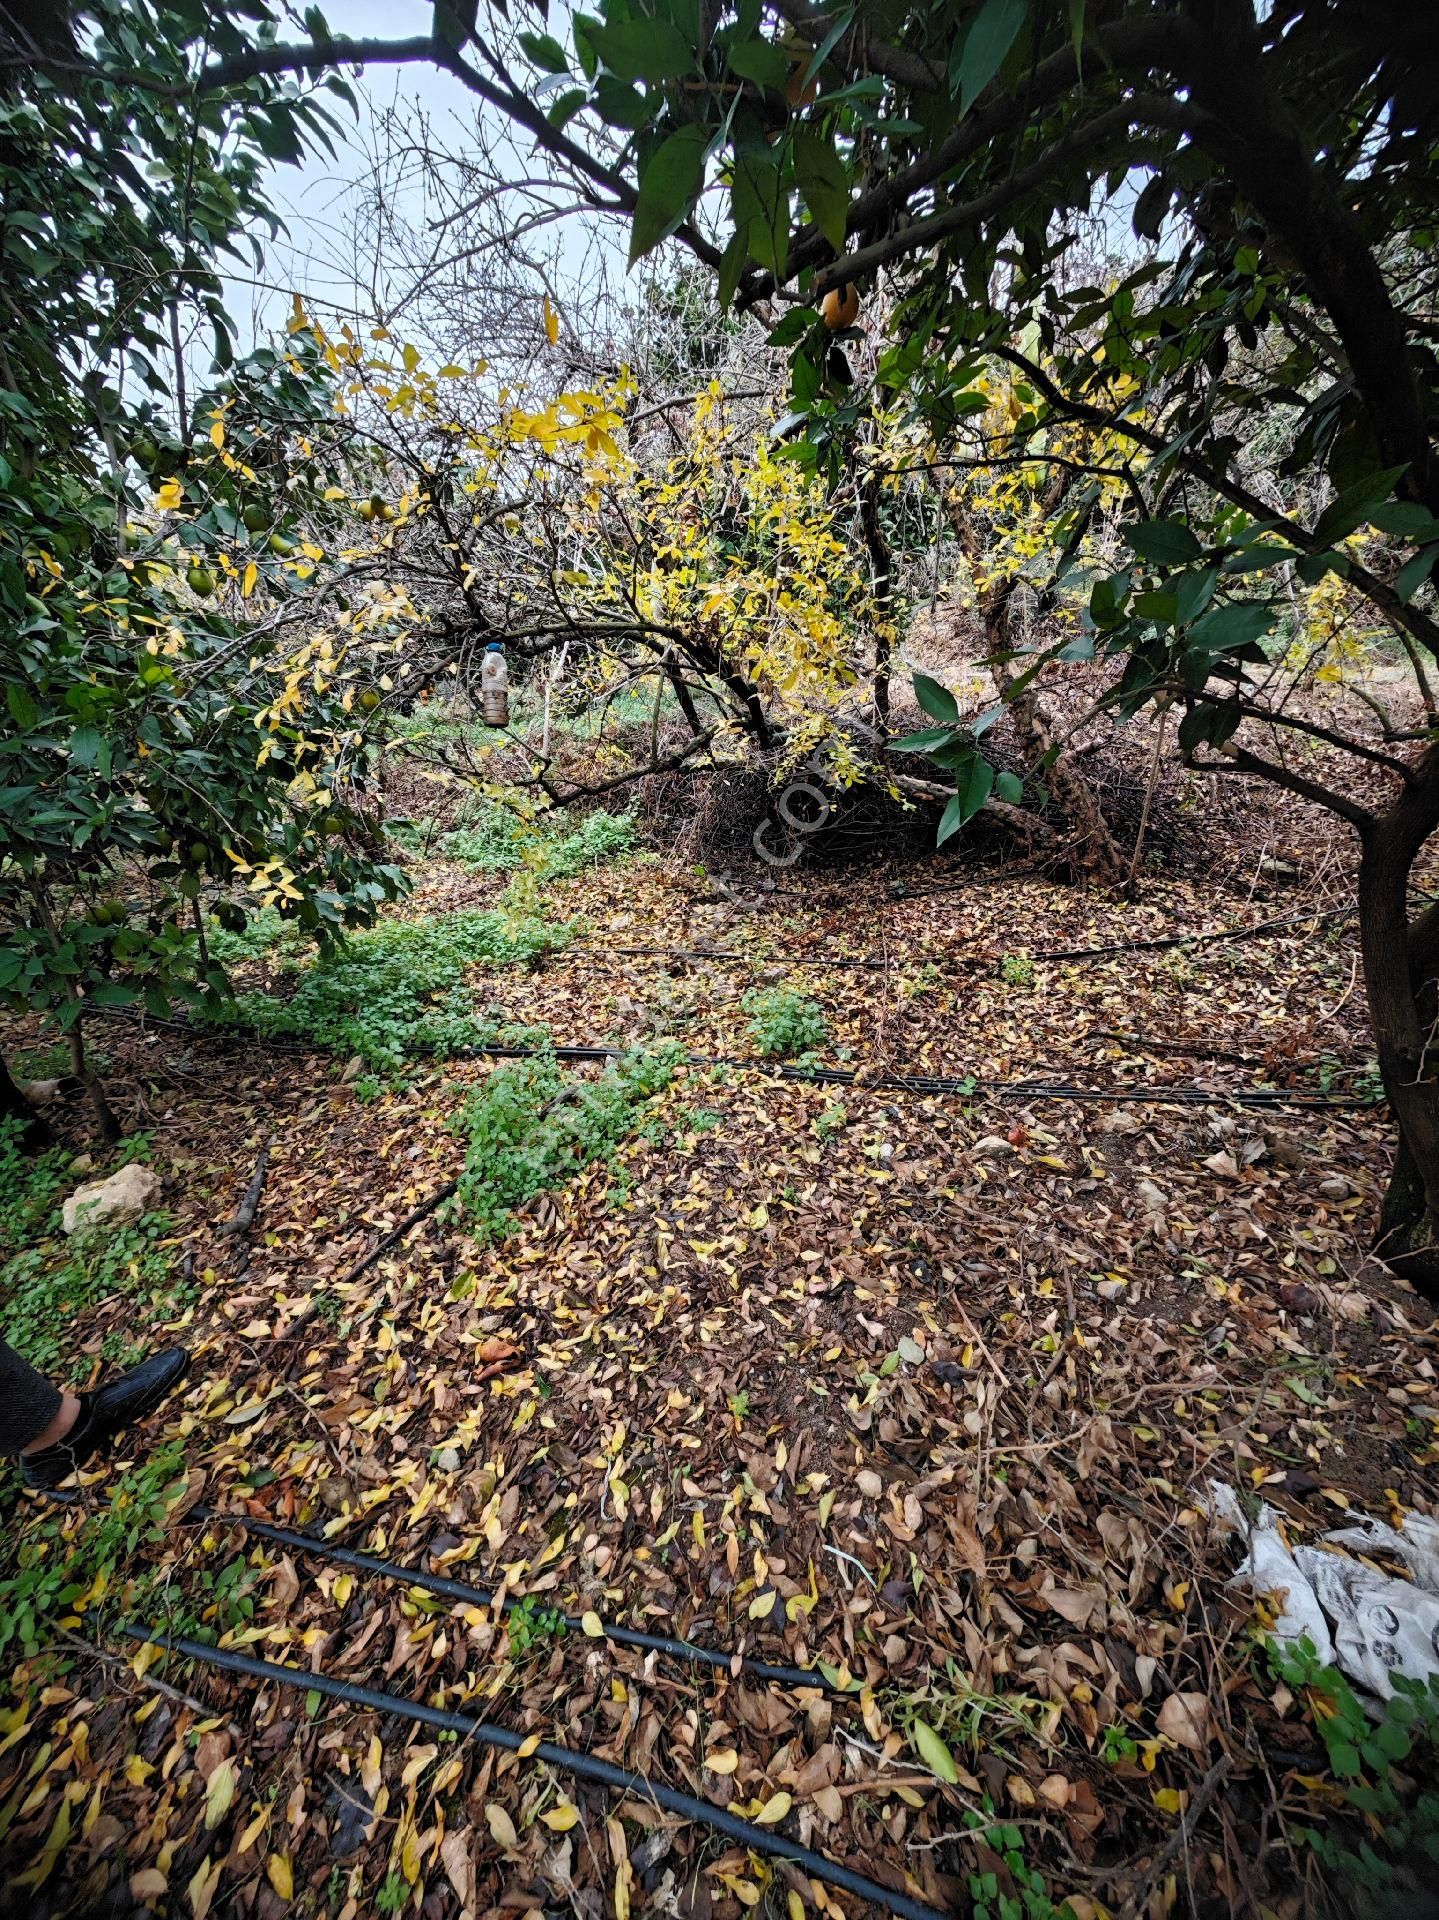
217 434
280 1876
219 1794
252 1833
169 496
343 1588
410 1857
501 1826
622 1891
527 1747
247 585
201 1888
722 1760
774 1809
552 321
763 1604
137 1771
1168 1799
795 1905
561 1818
593 1625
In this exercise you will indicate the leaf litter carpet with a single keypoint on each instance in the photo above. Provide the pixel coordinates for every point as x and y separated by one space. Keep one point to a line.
920 1388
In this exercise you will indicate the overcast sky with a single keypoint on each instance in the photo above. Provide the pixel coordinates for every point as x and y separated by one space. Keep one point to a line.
315 198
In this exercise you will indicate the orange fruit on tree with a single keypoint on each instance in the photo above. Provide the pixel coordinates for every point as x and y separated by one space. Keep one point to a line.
840 307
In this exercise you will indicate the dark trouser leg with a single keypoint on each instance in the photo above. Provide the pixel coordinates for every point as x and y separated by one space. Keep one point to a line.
28 1401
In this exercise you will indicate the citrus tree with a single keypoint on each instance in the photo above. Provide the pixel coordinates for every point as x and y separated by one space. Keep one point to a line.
179 723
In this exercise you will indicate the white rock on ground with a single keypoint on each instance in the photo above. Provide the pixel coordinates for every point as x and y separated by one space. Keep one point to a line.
112 1202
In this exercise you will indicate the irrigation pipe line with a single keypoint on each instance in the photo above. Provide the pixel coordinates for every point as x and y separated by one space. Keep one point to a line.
1173 1096
589 950
1147 1096
584 1766
1256 932
734 1664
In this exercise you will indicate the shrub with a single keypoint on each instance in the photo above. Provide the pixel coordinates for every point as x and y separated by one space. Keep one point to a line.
783 1021
499 841
1381 1816
58 1566
399 990
531 1126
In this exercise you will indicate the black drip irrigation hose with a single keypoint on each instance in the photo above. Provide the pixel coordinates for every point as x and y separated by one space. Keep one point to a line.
731 1663
583 1766
792 958
1172 1096
1256 932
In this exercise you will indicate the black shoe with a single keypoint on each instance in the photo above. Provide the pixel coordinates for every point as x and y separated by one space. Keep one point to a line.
102 1415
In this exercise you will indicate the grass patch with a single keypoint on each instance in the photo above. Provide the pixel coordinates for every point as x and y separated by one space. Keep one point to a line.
784 1022
263 931
74 1559
499 841
49 1278
532 1126
398 989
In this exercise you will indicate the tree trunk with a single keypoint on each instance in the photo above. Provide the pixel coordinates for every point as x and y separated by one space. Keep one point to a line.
110 1128
1399 972
1092 844
881 567
34 1129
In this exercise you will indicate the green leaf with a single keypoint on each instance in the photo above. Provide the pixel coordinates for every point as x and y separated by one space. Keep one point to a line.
1168 542
1312 567
21 702
566 107
85 746
1412 575
668 186
1344 1759
760 206
1355 504
938 702
1406 518
830 41
1207 724
824 181
1009 788
645 49
950 821
761 61
1234 625
975 786
1076 29
545 51
979 56
932 1750
925 741
1256 558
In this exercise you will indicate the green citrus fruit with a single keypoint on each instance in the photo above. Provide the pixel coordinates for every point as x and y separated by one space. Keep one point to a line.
201 582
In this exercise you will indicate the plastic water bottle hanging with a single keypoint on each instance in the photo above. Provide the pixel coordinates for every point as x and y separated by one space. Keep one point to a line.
494 687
